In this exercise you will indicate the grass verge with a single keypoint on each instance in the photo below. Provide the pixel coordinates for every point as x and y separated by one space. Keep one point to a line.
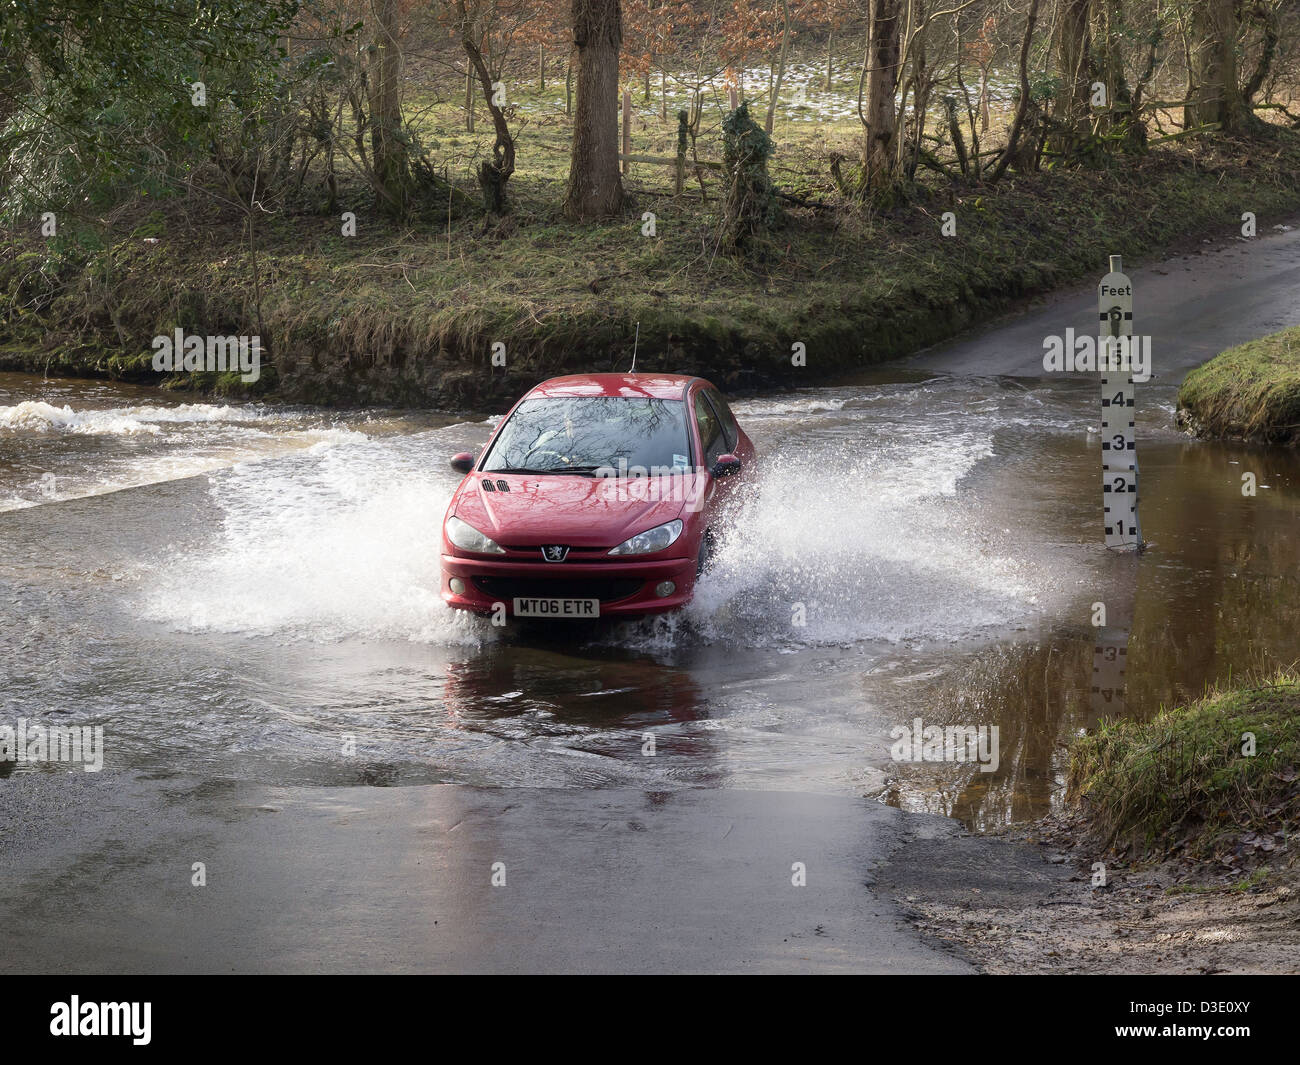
412 314
1185 781
1251 392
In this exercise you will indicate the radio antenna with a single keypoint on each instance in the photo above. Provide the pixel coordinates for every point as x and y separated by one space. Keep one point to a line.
635 341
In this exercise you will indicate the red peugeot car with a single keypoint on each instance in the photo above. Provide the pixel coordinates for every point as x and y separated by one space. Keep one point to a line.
599 495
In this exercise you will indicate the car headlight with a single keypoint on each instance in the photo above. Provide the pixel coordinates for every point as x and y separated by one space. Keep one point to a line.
468 538
655 539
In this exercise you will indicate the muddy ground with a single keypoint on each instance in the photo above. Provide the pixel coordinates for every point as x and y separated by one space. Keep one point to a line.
1024 902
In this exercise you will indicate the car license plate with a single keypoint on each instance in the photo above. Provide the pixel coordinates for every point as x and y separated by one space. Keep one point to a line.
573 609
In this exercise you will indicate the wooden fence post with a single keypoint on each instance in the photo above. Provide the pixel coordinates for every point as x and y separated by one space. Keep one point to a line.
627 128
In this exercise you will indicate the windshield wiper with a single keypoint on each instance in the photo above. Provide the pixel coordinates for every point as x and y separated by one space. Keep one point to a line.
550 469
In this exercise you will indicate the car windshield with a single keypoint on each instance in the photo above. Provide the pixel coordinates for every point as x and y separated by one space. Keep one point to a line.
633 436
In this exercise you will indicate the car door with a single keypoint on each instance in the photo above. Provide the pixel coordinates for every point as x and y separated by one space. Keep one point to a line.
713 444
737 442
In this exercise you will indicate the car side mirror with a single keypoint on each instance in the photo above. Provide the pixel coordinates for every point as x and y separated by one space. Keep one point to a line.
462 463
726 466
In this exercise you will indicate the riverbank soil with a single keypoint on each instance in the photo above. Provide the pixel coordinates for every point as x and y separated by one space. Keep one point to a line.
456 312
1009 913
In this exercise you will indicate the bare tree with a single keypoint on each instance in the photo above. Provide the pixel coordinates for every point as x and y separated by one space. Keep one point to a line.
1267 15
1012 150
1214 93
780 70
495 172
1072 45
880 73
595 189
391 166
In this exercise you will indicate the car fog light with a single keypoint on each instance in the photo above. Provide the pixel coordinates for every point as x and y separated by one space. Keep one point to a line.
664 589
457 586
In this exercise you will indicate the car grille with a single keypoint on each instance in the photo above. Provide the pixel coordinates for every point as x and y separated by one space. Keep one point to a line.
606 589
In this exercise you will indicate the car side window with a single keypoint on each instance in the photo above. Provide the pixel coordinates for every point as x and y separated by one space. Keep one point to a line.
711 438
729 428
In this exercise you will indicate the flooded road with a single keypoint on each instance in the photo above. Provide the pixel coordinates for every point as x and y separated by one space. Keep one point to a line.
247 593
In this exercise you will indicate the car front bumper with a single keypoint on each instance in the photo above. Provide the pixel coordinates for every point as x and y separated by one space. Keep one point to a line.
624 589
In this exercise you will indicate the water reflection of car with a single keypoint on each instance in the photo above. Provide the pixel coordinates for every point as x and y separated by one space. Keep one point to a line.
598 495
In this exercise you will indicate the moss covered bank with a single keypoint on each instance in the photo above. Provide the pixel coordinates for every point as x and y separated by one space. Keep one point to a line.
1250 392
1221 775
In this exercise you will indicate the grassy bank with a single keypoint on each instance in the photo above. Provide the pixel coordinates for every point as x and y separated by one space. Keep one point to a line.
1251 392
409 315
1182 781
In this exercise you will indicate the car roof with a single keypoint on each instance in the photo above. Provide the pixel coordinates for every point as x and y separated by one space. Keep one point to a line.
654 385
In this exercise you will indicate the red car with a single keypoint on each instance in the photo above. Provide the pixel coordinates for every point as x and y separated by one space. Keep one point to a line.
599 495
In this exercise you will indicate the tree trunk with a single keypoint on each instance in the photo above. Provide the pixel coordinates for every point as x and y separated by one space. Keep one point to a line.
985 112
595 189
1268 15
493 174
780 74
1013 148
625 114
541 68
883 54
830 61
1119 98
955 134
1214 92
392 174
1073 48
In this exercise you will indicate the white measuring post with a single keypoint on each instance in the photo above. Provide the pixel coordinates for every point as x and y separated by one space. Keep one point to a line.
1119 467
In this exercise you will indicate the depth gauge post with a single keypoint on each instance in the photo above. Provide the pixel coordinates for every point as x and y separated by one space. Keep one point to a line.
1119 467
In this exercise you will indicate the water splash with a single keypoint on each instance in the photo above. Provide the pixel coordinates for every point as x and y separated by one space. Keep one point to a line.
336 542
39 416
854 530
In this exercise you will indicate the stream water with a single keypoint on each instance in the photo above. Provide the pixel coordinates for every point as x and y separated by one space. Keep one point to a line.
241 591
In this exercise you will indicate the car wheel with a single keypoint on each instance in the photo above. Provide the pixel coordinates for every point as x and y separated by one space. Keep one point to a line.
706 553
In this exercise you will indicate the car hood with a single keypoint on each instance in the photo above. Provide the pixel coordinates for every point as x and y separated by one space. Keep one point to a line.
567 509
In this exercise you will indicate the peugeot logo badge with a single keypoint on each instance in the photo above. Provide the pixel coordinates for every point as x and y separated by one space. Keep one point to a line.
555 553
